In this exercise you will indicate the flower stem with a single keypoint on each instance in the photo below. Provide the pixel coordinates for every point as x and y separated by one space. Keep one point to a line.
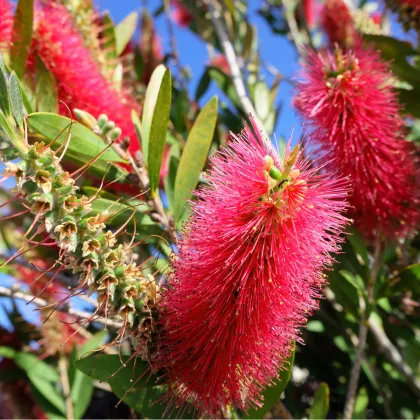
362 337
62 367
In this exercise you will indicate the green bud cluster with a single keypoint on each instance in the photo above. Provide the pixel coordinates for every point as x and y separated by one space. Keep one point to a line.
86 247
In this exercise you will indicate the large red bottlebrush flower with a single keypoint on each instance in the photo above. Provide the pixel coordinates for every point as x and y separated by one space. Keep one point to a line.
337 22
6 23
248 273
80 82
349 100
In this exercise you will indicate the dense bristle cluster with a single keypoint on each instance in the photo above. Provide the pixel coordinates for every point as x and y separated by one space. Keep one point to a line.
248 273
80 82
337 22
6 23
348 98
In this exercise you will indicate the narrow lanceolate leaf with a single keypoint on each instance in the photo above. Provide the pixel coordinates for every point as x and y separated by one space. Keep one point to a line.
22 35
108 36
4 92
155 121
56 127
321 404
137 125
124 31
194 156
273 393
152 93
16 99
108 367
45 90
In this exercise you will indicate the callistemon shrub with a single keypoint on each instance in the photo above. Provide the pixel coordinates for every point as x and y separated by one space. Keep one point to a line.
248 273
349 101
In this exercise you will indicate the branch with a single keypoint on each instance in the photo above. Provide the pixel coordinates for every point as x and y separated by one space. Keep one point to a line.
289 14
16 292
363 331
232 59
393 355
64 377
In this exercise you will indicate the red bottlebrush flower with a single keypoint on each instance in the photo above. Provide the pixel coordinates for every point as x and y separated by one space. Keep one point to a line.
337 22
6 23
248 273
349 100
180 14
309 10
80 82
220 62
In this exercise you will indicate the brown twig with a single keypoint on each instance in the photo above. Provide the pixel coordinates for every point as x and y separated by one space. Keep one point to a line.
16 292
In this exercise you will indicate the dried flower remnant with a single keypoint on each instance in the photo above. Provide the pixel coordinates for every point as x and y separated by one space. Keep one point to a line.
248 273
348 98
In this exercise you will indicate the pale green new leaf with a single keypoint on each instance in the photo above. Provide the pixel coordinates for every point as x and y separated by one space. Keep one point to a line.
194 156
124 31
155 122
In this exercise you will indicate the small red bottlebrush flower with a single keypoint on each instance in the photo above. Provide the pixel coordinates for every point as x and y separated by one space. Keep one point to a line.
337 22
348 99
80 82
309 10
6 23
248 273
220 62
180 14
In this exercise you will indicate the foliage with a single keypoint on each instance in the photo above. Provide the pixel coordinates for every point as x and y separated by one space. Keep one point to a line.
74 183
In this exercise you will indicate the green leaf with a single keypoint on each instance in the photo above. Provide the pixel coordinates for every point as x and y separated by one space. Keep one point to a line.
56 127
174 155
49 409
16 99
7 352
262 101
155 121
109 43
361 404
124 31
203 85
45 90
48 390
225 84
4 91
81 385
121 212
131 374
321 404
273 393
22 35
359 246
410 100
150 100
194 156
390 47
407 279
355 280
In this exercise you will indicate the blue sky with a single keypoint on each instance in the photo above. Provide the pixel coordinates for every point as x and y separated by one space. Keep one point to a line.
193 53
